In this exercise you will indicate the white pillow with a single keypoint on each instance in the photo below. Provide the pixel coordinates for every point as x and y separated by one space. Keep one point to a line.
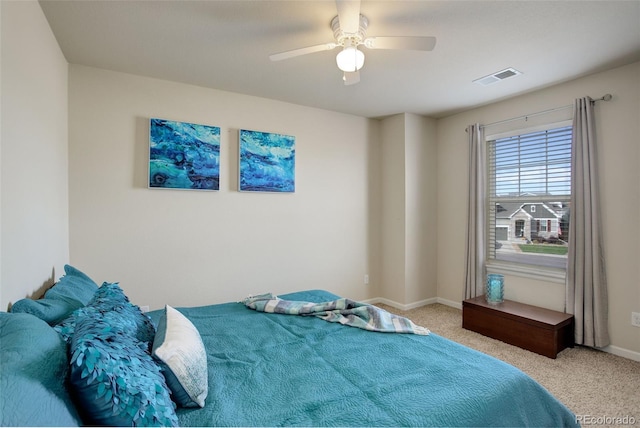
179 348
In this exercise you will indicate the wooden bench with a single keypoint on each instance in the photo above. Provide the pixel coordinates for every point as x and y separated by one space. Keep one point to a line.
539 330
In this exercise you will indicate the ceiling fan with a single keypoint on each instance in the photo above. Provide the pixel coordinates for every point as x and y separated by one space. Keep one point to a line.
349 30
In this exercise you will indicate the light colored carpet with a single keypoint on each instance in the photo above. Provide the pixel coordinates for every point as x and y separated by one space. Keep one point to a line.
587 381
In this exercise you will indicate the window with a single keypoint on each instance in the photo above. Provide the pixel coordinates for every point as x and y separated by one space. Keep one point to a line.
529 196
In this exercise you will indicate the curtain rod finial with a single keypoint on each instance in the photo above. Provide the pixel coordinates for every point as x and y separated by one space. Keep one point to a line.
605 97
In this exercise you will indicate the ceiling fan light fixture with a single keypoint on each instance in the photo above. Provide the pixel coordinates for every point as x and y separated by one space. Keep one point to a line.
353 34
350 59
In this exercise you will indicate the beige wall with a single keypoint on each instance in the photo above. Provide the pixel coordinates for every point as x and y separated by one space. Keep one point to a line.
34 225
191 247
421 214
617 131
393 195
408 209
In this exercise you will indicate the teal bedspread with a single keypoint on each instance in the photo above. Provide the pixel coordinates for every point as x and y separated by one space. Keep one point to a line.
269 369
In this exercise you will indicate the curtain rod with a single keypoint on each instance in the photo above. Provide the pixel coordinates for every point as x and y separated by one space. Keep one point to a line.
606 97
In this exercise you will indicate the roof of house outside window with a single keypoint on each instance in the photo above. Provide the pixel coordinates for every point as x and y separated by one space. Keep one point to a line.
543 210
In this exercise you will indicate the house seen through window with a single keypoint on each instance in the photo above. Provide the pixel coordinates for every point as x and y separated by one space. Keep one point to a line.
529 196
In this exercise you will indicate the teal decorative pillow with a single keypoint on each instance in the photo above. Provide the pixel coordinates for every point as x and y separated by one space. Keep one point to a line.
33 369
72 291
114 380
111 304
73 286
179 348
49 310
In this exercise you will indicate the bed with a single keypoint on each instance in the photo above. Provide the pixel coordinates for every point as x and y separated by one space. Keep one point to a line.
270 369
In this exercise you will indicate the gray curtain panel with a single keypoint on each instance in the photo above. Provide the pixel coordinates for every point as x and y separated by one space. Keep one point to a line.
475 254
586 279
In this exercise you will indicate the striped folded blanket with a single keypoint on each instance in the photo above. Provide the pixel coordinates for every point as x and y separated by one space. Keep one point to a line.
343 311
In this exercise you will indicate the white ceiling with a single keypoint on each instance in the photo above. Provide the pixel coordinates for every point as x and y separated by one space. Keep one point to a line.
226 45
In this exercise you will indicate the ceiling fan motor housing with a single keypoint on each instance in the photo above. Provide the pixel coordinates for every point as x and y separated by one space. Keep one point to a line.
349 39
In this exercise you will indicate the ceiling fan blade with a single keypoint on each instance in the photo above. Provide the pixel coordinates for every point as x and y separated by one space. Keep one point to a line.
349 15
302 51
351 78
404 43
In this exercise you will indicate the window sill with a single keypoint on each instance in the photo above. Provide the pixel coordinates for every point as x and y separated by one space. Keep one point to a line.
527 271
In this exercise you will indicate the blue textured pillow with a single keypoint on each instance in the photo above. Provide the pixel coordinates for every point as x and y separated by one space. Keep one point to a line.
114 380
111 300
72 291
33 369
111 304
179 348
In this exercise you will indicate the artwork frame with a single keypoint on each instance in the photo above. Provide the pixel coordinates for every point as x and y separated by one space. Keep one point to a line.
266 162
183 155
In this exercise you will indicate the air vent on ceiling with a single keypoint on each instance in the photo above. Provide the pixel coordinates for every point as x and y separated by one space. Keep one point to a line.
497 76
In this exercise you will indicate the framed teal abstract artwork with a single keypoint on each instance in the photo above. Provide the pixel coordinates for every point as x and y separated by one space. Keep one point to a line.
267 162
183 155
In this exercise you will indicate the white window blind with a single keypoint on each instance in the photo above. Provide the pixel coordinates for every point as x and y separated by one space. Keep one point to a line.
529 195
537 163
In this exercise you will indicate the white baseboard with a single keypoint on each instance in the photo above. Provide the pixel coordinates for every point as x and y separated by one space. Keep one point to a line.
453 304
406 307
400 305
611 349
622 352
